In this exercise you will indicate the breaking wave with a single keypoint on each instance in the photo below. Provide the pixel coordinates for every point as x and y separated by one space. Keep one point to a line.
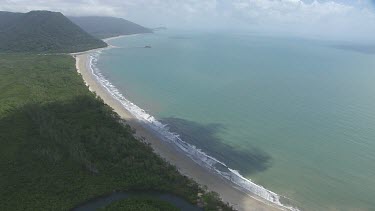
196 154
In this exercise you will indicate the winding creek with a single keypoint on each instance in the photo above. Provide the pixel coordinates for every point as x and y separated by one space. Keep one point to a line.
104 201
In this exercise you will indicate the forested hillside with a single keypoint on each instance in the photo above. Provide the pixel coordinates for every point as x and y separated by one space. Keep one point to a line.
43 32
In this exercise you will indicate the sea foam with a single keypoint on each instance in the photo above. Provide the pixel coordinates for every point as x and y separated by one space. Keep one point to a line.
196 154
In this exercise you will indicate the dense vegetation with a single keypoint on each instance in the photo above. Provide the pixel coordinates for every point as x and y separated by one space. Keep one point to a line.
7 19
140 204
43 32
60 145
104 27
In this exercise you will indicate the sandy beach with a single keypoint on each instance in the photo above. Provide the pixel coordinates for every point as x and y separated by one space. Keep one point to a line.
229 193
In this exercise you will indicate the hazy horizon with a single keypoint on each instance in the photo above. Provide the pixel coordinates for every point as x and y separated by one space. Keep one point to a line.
352 20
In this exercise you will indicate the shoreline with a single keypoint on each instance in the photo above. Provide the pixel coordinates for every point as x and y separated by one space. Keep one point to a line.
185 165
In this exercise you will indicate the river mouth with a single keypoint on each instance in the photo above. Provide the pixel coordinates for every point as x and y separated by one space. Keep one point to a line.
104 201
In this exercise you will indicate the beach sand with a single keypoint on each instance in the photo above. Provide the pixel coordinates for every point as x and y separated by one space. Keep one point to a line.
228 192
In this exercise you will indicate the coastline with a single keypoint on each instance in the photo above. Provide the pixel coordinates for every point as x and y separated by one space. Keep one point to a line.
186 166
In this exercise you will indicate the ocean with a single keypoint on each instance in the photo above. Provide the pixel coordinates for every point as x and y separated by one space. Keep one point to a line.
290 120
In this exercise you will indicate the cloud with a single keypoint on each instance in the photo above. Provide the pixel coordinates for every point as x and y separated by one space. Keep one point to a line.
344 19
328 18
69 7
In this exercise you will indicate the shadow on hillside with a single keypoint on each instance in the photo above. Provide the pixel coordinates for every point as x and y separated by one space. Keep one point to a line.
81 125
248 161
80 129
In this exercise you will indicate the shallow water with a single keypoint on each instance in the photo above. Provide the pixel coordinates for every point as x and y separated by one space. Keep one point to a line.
295 116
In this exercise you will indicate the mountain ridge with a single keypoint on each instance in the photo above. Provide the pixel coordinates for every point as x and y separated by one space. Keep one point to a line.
43 32
104 26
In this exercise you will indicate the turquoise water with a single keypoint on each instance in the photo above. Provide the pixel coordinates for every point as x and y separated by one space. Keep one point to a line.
295 116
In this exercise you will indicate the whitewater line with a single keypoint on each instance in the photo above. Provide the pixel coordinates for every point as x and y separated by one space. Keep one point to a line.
196 154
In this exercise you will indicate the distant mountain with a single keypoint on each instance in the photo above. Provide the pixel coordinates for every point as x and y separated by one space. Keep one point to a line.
43 31
105 27
361 48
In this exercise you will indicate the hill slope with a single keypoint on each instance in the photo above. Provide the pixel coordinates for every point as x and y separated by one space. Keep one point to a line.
104 27
43 31
8 18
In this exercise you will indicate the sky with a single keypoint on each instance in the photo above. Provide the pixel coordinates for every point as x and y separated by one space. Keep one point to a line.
327 19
